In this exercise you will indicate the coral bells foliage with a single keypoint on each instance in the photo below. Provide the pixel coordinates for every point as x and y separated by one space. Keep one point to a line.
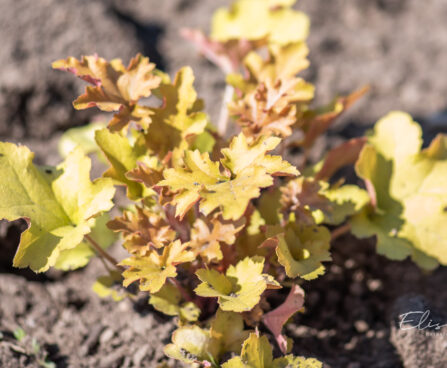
217 225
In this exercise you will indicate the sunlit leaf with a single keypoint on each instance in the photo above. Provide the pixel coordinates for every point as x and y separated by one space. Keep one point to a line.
114 87
143 230
249 169
261 19
240 288
206 238
154 268
408 191
58 203
257 353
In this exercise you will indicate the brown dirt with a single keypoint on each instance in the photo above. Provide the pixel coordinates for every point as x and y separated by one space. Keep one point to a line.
398 46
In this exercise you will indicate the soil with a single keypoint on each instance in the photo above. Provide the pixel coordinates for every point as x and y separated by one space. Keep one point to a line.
397 46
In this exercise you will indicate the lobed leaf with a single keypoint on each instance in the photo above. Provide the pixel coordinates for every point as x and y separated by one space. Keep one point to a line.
240 289
257 353
115 88
207 237
408 191
301 249
59 204
168 300
248 170
154 268
260 19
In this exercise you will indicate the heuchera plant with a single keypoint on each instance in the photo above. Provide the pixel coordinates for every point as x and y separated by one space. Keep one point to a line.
218 224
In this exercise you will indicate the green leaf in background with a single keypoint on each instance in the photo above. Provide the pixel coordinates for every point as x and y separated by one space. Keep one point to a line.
82 137
254 20
19 334
104 286
59 203
168 301
408 190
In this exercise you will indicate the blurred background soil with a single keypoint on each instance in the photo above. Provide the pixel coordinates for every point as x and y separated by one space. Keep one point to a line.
398 47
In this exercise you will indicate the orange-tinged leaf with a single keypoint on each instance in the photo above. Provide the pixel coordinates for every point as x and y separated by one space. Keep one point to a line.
345 154
303 196
270 109
226 55
115 88
153 269
319 123
138 80
206 238
142 230
146 175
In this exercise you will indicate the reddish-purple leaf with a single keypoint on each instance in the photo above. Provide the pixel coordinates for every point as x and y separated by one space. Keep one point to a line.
275 319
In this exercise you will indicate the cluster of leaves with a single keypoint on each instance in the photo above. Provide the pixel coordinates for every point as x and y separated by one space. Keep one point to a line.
216 224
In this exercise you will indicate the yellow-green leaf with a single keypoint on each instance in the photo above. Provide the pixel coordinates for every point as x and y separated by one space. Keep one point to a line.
242 155
70 259
302 249
104 287
248 169
189 344
123 158
179 118
83 137
260 19
257 353
408 190
240 289
346 201
60 203
226 334
168 300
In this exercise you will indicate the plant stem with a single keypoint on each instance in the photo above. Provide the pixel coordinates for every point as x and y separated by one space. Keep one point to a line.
223 115
103 253
339 231
180 288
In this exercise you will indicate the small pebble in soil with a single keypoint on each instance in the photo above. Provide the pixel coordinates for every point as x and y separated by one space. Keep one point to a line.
361 326
358 276
374 285
349 263
351 344
106 336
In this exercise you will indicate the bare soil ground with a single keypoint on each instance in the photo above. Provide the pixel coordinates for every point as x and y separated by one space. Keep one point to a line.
396 46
